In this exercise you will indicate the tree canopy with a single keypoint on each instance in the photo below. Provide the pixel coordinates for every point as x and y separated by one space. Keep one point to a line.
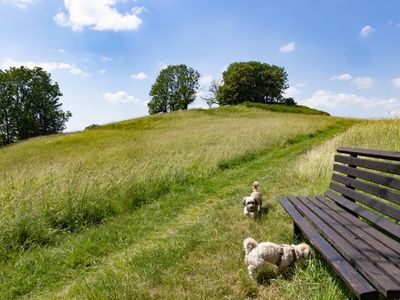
252 81
175 88
29 105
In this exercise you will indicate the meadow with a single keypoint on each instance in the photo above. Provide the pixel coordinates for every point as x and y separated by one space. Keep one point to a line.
64 182
151 207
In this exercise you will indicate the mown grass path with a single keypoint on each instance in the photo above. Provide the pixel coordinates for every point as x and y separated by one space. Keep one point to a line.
186 244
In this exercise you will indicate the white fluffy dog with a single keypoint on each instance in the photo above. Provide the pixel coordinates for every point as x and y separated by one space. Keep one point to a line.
253 203
283 256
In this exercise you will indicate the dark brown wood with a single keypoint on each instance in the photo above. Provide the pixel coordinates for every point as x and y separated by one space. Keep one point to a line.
354 280
370 176
352 177
370 202
376 234
356 257
380 222
390 155
369 241
369 188
383 166
350 227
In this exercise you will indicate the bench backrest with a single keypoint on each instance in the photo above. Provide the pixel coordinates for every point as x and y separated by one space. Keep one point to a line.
370 178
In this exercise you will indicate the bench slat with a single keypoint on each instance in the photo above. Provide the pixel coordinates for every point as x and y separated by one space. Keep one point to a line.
356 227
374 177
354 280
370 202
368 187
376 234
379 279
377 220
391 155
383 166
360 241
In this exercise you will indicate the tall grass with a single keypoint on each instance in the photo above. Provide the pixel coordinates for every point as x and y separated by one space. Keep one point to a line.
64 182
199 255
198 252
315 166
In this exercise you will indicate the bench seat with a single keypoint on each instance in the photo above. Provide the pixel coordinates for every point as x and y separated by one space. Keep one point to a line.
354 225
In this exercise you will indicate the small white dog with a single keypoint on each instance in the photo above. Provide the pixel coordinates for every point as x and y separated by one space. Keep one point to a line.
253 203
283 256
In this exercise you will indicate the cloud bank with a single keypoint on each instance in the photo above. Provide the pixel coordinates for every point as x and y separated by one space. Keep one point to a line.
98 15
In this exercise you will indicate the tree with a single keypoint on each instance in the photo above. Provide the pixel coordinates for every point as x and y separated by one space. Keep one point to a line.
211 97
252 81
29 105
7 110
289 101
175 88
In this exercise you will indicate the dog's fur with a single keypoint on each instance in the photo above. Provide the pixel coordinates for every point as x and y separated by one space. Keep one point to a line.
283 256
253 203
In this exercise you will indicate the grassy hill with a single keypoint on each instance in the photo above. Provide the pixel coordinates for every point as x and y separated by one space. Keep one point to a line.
151 207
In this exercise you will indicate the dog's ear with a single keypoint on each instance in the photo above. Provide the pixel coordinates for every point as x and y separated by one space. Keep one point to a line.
244 201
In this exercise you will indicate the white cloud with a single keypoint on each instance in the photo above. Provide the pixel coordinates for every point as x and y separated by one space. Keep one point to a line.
144 103
292 91
392 23
396 82
342 77
61 50
20 3
98 15
139 76
162 65
206 80
363 82
48 66
102 71
290 47
367 30
106 59
353 105
394 114
120 97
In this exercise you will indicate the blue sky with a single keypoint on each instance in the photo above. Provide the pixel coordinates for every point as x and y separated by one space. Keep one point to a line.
341 56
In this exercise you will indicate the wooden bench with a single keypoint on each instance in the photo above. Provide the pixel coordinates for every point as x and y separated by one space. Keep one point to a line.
355 224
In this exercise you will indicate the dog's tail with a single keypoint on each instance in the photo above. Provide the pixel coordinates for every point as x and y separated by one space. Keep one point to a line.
256 184
249 244
302 250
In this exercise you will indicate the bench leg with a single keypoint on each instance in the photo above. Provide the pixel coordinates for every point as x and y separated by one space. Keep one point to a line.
296 231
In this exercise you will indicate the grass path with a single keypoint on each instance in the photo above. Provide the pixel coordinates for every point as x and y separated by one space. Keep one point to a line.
172 247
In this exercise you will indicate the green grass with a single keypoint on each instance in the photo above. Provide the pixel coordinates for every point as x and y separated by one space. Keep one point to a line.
284 108
151 207
62 183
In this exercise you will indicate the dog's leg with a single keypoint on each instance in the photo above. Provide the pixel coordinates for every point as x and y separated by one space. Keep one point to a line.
252 271
245 212
281 269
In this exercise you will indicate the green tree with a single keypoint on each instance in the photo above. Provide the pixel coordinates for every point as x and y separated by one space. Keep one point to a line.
175 88
29 105
252 81
7 110
289 101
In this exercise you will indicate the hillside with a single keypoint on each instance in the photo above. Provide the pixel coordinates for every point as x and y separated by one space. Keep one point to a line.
151 207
